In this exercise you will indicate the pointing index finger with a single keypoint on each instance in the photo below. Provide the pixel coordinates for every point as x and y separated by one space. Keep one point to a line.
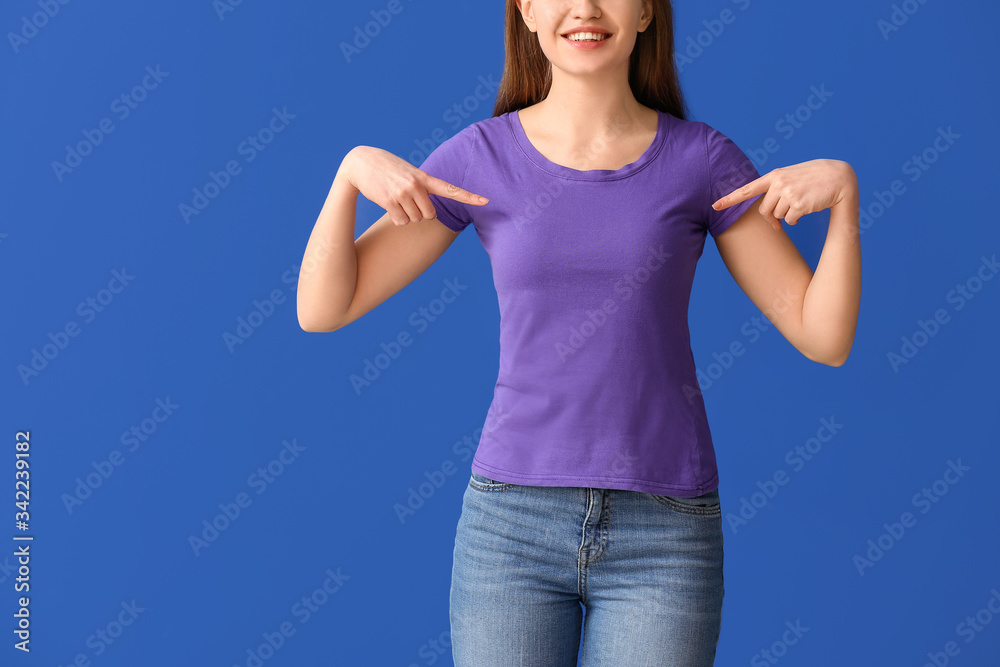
751 189
442 188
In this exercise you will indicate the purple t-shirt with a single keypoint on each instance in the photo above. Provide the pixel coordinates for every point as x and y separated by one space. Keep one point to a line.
593 272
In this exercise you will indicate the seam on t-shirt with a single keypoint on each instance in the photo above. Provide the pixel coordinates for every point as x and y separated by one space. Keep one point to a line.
529 158
468 160
465 174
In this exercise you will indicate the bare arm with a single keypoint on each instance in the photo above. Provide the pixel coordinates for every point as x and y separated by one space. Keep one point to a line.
341 278
832 301
817 312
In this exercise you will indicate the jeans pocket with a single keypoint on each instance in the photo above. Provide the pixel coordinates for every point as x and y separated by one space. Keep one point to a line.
705 504
480 483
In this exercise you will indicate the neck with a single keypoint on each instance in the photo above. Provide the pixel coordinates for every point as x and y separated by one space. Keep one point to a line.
581 108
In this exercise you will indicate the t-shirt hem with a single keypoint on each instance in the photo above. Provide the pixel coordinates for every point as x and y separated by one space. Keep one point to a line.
733 213
623 483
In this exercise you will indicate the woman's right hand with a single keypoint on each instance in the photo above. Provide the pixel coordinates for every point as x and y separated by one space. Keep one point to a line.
399 187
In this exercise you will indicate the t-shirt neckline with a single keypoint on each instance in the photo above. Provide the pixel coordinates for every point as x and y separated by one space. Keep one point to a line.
533 154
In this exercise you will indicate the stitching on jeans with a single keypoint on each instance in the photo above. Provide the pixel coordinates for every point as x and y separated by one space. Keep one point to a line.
583 555
496 486
603 528
687 509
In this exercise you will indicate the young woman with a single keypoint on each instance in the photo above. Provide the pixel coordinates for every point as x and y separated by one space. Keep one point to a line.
594 487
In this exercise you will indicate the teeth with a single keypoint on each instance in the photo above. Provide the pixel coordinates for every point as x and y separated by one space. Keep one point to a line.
587 36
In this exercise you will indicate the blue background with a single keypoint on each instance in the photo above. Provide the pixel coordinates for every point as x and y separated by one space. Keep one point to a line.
331 505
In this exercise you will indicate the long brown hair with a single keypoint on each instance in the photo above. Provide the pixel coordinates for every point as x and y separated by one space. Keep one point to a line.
652 74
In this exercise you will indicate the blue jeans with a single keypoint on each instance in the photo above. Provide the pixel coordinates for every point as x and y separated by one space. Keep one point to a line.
530 560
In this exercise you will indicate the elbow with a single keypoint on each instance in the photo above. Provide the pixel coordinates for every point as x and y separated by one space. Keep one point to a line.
835 359
830 348
825 352
837 362
313 326
306 325
313 319
841 358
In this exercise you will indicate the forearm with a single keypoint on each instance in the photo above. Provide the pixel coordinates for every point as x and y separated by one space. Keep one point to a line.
833 298
329 271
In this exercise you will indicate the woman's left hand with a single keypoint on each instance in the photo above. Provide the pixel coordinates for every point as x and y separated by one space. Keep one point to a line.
796 190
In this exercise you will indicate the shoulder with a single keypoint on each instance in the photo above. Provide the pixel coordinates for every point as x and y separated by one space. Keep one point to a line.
467 140
696 134
689 144
476 149
485 128
488 132
714 148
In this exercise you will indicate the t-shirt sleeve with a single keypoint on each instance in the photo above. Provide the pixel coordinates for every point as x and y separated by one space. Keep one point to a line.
450 162
728 169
